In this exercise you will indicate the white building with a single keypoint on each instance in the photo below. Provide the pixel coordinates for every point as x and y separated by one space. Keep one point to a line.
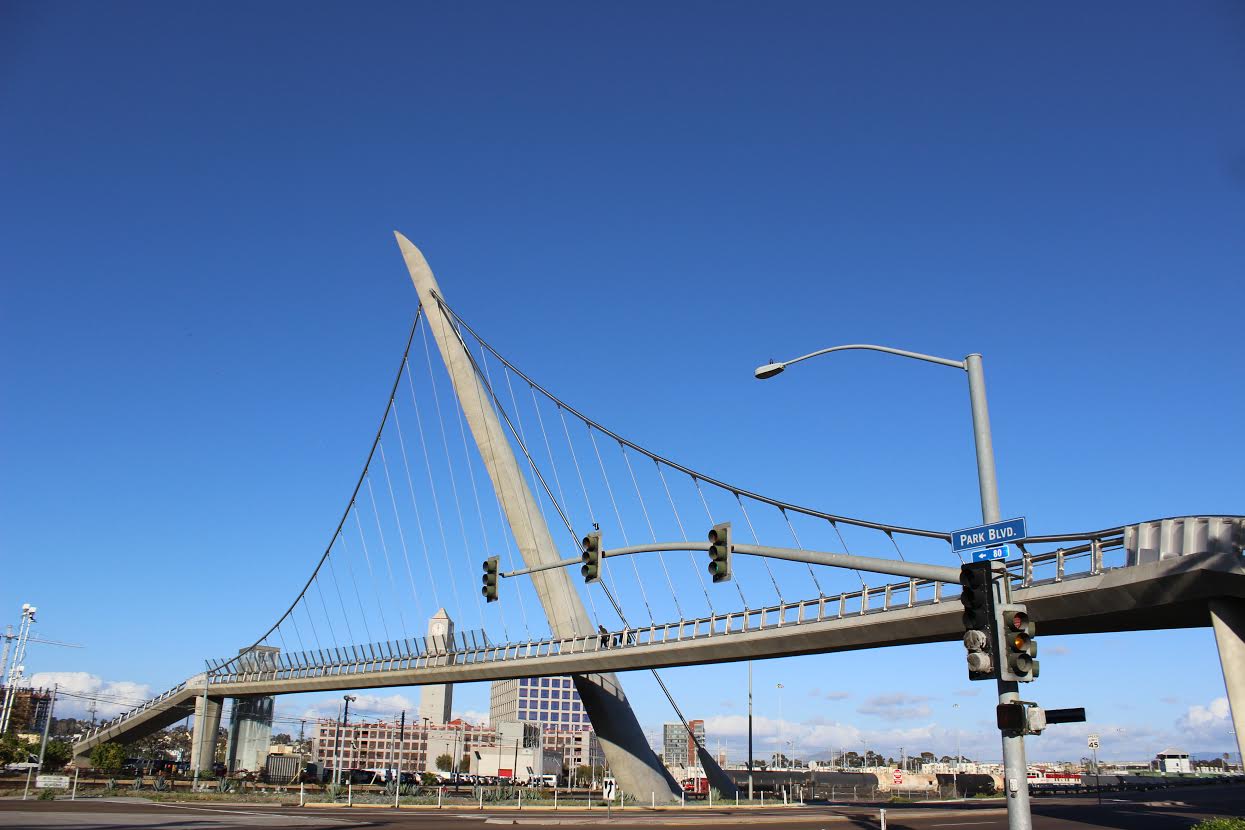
1172 760
519 754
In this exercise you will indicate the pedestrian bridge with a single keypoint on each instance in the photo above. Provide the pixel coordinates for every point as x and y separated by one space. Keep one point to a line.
479 460
1075 590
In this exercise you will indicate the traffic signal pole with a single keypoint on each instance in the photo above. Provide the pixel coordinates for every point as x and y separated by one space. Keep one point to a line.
1015 767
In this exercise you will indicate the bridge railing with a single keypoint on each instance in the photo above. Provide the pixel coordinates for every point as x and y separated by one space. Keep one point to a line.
1028 570
137 710
473 647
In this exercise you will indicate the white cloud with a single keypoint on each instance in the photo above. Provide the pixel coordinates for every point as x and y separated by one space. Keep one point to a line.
112 697
896 706
1202 716
473 716
364 705
829 694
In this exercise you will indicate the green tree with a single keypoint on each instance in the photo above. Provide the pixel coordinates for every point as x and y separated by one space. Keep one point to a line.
444 762
13 750
464 763
108 757
583 775
55 755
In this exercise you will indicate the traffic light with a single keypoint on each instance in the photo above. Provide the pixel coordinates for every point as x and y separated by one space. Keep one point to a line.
490 579
977 596
720 552
1018 647
591 555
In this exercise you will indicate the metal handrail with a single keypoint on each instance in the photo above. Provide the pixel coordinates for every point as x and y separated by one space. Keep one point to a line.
408 654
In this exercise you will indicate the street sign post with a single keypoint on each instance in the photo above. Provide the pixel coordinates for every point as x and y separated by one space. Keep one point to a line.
1093 744
988 535
52 782
1001 552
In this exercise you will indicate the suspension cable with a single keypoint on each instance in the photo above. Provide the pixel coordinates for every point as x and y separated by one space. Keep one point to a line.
709 513
410 486
622 528
910 531
661 557
800 545
679 520
354 494
757 540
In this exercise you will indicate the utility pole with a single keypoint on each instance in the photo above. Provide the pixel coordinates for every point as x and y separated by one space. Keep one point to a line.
749 731
47 724
345 721
397 779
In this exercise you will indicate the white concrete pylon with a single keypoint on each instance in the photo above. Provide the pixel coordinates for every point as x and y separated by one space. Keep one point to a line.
634 764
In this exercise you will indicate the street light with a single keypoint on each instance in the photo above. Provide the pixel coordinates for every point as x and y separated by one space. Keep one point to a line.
1014 765
955 774
780 735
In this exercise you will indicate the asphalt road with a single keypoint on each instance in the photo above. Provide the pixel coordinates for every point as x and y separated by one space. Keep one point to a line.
1163 810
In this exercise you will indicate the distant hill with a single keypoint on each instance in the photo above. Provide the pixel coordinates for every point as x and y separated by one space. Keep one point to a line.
1233 757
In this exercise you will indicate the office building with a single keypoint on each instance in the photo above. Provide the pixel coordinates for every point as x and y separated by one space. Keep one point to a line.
678 746
553 704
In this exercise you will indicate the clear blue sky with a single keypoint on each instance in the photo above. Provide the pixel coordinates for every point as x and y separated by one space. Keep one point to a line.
203 305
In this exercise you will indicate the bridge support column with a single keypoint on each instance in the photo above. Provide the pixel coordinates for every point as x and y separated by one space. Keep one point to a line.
250 732
1228 618
203 736
635 766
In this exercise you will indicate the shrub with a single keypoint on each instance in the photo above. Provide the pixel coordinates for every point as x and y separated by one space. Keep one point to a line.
47 795
1221 823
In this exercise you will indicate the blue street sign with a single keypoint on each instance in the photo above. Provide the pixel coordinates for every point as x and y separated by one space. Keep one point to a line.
991 535
1001 552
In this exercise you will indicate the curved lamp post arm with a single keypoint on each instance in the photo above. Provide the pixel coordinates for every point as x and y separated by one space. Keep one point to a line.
771 369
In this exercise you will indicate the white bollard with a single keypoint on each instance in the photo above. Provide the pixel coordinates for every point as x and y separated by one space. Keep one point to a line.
73 795
762 798
654 799
349 793
301 794
711 796
440 792
481 798
736 796
520 799
682 797
26 791
882 819
555 799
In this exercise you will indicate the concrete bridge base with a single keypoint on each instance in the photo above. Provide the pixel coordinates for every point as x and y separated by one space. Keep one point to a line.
250 732
1227 616
203 736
